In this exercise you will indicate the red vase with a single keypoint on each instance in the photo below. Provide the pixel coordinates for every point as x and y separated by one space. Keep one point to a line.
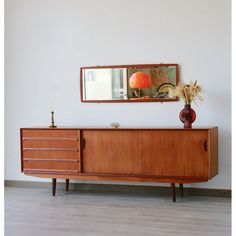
187 116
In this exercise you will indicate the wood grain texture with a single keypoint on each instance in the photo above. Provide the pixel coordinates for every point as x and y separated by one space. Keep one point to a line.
137 178
156 153
55 154
50 133
48 143
51 149
51 165
173 155
30 211
111 152
195 161
213 137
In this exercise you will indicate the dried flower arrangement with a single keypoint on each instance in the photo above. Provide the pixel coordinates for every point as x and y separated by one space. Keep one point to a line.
188 92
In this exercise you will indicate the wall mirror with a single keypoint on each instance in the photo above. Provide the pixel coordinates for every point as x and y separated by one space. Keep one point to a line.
128 83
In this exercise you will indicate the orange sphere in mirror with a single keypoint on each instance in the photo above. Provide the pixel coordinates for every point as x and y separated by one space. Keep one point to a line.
139 80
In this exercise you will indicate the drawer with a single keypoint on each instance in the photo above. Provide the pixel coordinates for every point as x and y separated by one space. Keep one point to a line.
66 143
42 166
50 133
50 150
51 154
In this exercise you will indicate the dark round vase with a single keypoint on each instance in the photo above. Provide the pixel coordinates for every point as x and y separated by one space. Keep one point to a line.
187 116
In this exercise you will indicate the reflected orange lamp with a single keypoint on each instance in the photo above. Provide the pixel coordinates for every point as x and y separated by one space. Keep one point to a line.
139 80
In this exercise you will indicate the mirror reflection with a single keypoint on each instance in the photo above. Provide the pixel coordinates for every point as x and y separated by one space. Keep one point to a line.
105 84
131 83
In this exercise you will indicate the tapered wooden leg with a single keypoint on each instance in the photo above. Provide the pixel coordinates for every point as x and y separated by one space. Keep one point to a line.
54 183
67 185
173 192
181 187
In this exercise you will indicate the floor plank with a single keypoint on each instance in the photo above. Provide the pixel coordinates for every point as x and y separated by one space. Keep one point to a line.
33 211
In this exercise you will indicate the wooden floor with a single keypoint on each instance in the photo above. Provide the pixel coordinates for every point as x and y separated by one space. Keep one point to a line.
33 211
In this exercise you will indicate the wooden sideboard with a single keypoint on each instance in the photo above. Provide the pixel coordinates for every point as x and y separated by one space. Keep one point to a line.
172 155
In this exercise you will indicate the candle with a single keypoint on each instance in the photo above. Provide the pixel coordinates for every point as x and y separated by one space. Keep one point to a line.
52 120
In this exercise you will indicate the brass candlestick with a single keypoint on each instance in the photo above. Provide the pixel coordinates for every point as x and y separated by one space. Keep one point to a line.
52 120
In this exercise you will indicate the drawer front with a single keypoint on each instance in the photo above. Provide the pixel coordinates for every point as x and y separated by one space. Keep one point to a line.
50 133
50 151
41 166
40 143
51 154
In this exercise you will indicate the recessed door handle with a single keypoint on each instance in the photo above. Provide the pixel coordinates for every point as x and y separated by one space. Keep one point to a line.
205 145
83 143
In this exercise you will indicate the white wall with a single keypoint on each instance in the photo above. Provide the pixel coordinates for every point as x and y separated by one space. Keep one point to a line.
47 41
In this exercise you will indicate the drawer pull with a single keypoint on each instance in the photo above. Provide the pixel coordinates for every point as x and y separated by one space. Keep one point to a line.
83 143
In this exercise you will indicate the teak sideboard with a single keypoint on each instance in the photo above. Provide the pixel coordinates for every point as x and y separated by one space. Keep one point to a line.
172 155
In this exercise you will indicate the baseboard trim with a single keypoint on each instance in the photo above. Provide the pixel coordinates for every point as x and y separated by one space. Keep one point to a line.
136 189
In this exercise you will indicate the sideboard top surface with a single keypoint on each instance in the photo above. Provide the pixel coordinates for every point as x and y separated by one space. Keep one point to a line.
124 128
